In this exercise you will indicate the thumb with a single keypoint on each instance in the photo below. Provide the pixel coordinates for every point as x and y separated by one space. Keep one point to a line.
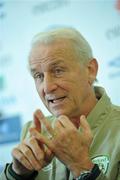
83 122
87 132
85 125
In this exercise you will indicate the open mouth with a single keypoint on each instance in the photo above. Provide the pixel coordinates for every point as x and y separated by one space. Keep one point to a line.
57 100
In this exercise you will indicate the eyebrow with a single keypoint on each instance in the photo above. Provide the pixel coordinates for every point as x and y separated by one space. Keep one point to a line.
56 63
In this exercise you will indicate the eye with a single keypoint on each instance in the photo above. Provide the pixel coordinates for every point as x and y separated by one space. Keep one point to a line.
58 71
39 76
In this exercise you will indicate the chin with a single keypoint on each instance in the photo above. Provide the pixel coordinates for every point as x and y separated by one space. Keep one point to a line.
60 112
57 113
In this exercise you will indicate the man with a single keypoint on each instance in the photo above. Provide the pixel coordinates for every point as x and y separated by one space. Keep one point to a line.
81 138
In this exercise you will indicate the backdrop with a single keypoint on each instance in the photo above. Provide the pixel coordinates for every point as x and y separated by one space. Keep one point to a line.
20 20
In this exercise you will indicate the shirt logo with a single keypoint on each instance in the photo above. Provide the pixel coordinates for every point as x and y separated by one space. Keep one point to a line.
102 161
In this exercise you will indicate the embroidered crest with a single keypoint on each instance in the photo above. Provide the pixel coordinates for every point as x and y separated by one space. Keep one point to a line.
102 161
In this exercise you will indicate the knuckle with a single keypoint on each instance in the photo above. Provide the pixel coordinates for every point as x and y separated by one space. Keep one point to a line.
40 157
27 152
14 151
73 130
21 158
70 131
31 140
39 154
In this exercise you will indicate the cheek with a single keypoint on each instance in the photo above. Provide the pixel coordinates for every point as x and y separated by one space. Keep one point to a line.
79 87
39 90
64 85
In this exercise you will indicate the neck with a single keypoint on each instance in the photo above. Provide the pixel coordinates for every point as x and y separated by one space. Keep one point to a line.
76 119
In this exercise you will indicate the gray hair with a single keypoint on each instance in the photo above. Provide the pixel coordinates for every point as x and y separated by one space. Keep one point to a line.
80 44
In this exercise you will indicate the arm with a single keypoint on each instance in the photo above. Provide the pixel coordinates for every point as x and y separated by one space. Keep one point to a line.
28 157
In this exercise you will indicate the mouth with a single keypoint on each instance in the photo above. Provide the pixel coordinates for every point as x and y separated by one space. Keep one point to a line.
56 100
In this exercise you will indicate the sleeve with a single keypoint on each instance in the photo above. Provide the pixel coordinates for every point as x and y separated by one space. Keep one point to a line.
8 173
118 177
101 177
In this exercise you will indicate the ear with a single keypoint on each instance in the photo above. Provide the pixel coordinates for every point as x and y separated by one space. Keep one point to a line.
92 71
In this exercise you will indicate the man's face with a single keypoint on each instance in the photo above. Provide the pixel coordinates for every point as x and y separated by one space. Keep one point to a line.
61 82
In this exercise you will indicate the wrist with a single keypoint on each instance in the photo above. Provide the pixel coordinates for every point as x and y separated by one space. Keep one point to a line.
77 169
90 175
20 170
30 175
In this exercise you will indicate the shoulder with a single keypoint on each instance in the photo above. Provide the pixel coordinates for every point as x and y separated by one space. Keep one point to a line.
112 120
115 113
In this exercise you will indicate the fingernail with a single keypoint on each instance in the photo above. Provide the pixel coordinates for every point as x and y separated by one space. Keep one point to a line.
39 114
82 117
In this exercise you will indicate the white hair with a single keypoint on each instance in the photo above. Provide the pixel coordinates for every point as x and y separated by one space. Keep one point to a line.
80 44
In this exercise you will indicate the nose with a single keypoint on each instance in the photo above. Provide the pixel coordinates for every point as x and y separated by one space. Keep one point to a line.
49 84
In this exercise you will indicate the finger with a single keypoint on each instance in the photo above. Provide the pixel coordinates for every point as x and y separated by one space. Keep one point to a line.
35 147
85 126
29 155
42 139
46 123
48 152
65 121
21 158
37 123
48 155
58 127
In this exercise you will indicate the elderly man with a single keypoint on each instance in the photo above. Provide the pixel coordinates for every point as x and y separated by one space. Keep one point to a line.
81 138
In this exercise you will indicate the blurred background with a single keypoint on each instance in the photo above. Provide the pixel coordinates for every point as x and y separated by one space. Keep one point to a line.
20 20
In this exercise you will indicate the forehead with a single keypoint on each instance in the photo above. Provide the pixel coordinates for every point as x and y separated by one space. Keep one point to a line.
52 54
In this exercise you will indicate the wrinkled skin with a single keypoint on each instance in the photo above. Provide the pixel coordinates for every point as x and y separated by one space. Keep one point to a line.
30 154
60 77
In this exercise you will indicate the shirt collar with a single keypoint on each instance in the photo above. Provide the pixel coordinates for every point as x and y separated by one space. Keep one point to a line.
101 108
